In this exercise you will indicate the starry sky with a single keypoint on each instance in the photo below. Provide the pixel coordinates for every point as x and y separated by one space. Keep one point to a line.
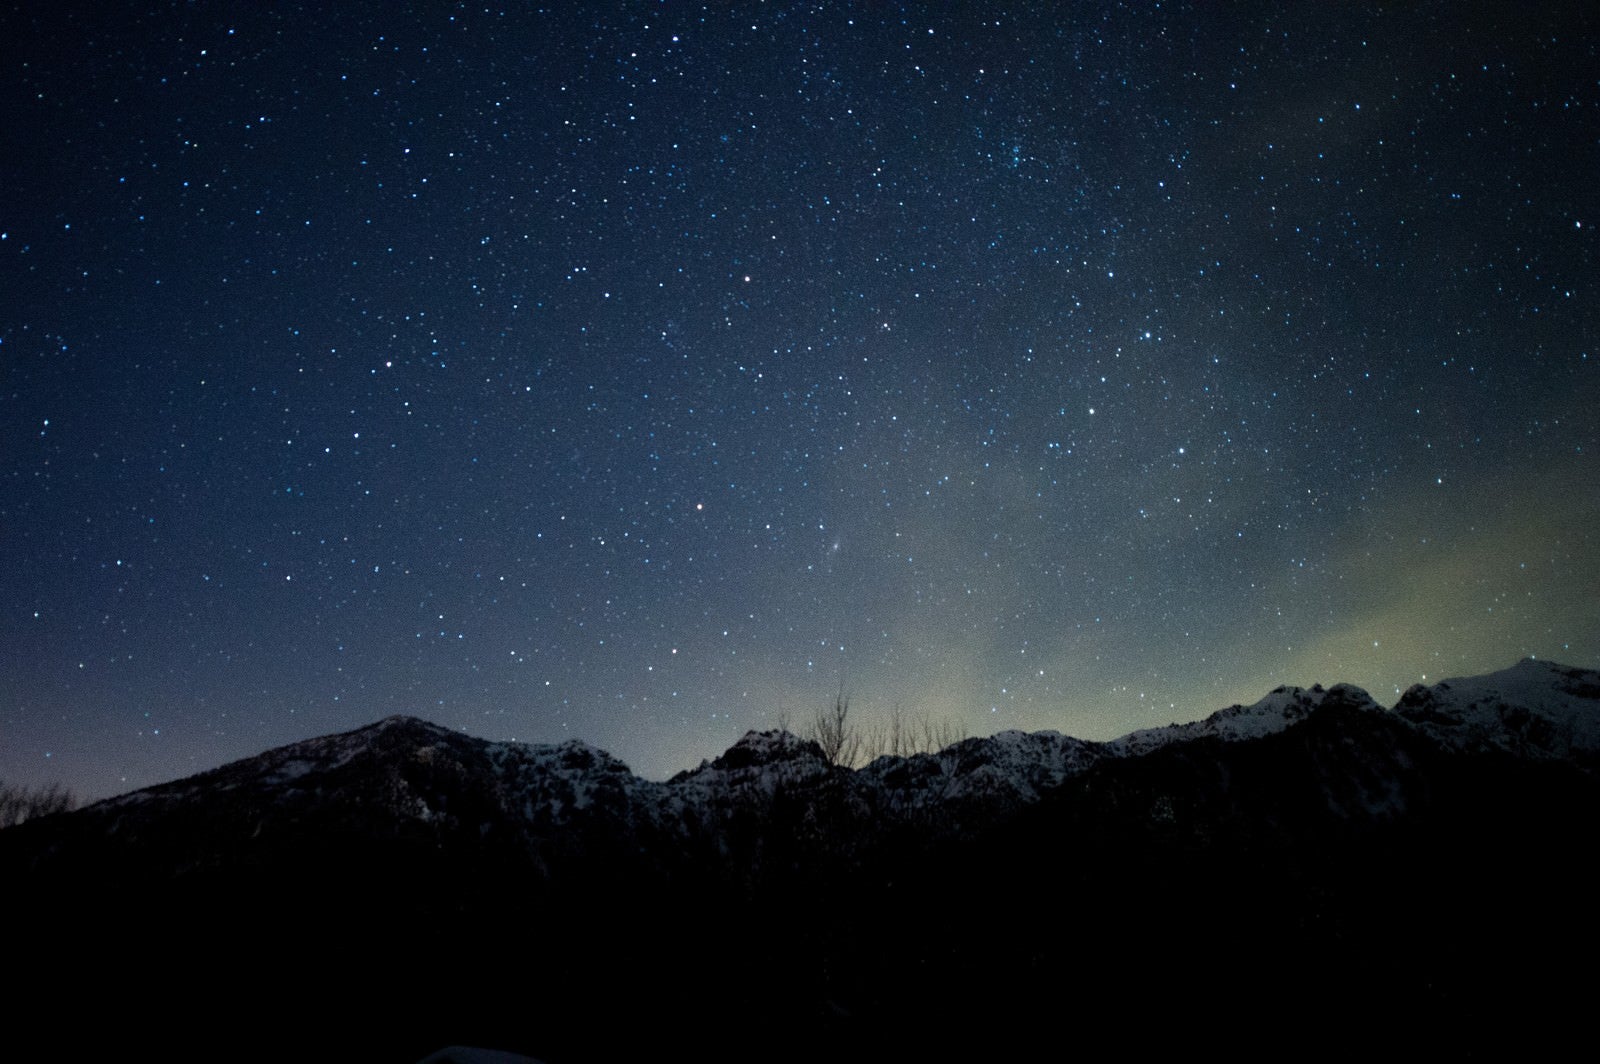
638 371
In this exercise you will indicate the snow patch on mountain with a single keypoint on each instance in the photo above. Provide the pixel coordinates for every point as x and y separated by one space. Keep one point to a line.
1535 709
1008 768
1284 707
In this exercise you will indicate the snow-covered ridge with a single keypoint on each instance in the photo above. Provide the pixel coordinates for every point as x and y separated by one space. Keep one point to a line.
425 772
283 766
1282 708
1535 709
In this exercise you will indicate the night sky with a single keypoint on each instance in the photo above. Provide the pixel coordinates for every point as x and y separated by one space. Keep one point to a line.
635 371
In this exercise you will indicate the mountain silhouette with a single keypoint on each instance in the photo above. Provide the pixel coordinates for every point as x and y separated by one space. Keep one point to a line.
1308 873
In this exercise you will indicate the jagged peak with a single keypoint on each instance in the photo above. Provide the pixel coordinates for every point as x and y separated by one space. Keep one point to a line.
763 759
756 748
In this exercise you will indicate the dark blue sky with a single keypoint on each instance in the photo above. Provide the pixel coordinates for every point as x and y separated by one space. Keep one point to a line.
636 371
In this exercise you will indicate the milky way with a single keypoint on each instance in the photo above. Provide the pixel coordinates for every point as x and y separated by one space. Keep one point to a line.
638 372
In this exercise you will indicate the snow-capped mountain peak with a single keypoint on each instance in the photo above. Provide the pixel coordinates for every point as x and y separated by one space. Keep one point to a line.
1535 709
1282 708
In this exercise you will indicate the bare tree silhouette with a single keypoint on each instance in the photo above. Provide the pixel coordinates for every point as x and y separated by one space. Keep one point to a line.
18 803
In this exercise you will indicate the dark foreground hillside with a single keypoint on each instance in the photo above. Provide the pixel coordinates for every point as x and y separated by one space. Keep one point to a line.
1314 874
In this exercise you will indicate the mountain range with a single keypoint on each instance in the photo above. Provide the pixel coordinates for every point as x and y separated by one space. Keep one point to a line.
1306 874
